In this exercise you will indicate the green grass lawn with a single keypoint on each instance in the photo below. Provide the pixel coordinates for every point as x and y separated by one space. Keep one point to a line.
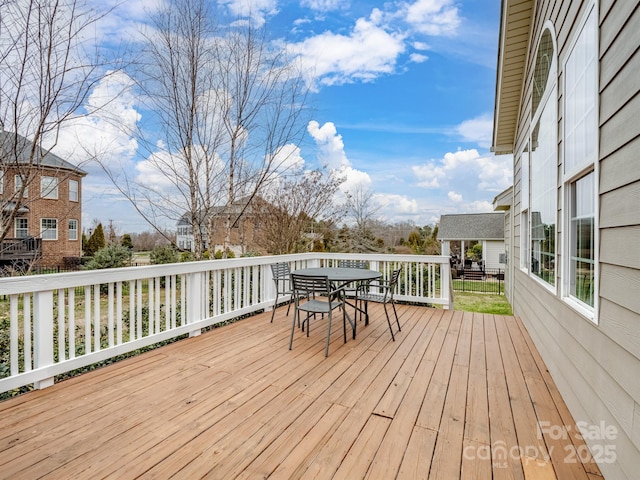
477 302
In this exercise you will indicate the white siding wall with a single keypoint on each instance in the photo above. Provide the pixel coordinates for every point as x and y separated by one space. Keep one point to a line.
491 250
596 366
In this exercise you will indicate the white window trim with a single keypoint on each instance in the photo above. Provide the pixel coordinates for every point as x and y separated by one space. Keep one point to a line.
77 190
47 191
17 184
69 230
550 95
15 226
57 230
568 179
1 181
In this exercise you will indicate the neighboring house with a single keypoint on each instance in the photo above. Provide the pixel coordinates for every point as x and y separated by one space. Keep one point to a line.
47 227
567 107
485 228
245 234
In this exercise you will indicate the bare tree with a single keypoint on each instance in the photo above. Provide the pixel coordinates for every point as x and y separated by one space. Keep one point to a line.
362 211
297 211
47 70
228 103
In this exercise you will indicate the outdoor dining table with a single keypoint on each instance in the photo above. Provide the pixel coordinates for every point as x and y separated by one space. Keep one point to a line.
342 276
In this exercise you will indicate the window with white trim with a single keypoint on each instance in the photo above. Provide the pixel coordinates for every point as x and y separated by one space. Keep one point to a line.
525 255
49 187
580 164
582 239
543 182
17 182
73 229
21 227
73 191
49 228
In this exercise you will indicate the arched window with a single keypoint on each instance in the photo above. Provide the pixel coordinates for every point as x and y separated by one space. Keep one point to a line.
543 159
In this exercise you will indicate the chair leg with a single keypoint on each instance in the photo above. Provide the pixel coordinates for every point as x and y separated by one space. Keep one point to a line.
296 313
389 322
393 304
326 350
275 304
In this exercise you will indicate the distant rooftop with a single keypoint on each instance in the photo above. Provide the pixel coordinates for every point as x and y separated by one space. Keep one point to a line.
48 159
472 226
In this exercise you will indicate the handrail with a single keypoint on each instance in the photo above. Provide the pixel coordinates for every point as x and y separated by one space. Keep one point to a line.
61 322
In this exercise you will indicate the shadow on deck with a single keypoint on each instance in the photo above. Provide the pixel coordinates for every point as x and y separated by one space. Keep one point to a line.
457 395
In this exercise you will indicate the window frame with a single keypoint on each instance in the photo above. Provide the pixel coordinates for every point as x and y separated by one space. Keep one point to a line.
16 228
17 185
69 230
579 171
549 99
43 229
49 187
1 181
76 190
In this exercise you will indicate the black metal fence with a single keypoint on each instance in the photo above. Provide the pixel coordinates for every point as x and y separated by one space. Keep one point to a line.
486 280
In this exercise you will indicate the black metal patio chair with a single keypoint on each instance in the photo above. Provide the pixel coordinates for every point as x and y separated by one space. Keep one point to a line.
320 298
384 295
282 278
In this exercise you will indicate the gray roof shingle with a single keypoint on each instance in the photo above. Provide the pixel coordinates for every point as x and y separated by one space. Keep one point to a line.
472 226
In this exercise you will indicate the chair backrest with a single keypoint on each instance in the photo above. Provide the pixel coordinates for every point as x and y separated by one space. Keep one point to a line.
307 284
280 270
393 282
352 264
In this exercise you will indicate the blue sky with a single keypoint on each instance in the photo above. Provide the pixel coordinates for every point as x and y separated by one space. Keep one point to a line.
402 101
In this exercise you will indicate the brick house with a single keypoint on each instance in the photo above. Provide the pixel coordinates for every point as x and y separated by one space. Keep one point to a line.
246 232
47 225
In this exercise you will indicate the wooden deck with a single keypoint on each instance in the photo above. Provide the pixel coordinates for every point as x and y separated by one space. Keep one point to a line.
457 395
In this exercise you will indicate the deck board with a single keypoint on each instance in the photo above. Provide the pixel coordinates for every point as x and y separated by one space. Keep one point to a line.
450 398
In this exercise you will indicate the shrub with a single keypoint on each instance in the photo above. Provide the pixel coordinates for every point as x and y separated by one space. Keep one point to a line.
112 256
163 254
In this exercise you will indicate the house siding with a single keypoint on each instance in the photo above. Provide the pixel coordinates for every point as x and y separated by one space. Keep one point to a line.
596 366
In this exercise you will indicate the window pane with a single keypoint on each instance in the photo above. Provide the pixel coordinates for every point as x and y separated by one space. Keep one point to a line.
582 239
544 195
581 96
49 229
49 187
73 190
544 61
22 228
73 229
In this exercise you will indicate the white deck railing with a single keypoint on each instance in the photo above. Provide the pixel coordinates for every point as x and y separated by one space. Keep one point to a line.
61 322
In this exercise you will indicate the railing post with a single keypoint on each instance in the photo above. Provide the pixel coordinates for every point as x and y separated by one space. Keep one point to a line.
446 284
194 299
43 334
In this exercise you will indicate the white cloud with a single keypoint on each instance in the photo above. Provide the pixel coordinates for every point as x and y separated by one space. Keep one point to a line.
432 17
418 58
482 172
324 5
454 197
106 132
478 130
330 144
366 53
331 153
257 10
288 158
397 204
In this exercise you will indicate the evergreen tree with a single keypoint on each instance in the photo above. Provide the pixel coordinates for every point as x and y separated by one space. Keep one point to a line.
126 241
96 241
